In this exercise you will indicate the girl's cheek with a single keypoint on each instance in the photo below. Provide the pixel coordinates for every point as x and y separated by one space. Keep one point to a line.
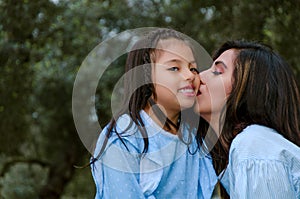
197 82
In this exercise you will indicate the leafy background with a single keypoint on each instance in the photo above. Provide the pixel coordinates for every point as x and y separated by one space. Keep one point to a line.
42 45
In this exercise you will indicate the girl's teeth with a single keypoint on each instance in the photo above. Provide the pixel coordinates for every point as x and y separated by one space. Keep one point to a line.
186 91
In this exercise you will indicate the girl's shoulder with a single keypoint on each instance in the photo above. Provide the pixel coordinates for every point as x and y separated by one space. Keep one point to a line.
122 135
125 126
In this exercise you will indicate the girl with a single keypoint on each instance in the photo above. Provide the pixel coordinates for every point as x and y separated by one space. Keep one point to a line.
258 153
147 150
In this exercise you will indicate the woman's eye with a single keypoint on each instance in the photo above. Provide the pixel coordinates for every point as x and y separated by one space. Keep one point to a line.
216 72
194 70
175 68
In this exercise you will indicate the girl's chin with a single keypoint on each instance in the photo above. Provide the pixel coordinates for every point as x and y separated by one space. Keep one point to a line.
185 104
197 108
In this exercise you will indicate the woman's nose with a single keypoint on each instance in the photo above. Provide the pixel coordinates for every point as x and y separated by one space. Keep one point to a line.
203 76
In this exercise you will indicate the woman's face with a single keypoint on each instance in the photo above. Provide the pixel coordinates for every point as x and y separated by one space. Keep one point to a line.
216 84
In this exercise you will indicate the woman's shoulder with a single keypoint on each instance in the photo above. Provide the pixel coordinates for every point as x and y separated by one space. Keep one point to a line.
256 133
261 142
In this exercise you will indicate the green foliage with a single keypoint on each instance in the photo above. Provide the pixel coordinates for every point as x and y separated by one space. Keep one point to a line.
19 21
22 181
42 45
283 28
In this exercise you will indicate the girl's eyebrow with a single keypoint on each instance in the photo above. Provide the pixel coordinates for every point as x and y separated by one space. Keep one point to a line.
220 62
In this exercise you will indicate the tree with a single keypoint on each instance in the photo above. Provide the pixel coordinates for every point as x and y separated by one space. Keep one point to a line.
42 45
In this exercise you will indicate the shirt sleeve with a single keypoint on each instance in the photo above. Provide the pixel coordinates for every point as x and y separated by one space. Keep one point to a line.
116 173
207 177
260 179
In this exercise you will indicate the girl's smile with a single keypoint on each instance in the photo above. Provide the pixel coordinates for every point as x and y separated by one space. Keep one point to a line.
188 91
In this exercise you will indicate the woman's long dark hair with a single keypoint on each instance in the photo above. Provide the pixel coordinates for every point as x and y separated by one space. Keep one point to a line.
264 91
137 97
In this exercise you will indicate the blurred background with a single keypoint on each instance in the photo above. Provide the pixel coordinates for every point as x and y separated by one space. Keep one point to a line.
42 45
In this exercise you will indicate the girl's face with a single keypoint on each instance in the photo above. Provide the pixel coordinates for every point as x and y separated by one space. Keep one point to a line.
175 75
216 85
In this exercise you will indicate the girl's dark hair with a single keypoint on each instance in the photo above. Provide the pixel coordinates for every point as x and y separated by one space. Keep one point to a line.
138 87
264 91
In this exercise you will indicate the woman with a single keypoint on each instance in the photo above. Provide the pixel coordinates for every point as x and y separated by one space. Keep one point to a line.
250 100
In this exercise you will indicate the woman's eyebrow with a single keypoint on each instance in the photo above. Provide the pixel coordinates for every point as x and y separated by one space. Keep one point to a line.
220 62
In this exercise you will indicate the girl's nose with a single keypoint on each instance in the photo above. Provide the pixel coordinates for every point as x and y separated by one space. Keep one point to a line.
188 74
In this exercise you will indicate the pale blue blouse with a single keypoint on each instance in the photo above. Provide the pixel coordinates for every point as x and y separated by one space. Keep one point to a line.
168 169
262 164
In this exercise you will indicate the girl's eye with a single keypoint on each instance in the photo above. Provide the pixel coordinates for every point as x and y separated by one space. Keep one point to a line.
194 70
175 68
216 72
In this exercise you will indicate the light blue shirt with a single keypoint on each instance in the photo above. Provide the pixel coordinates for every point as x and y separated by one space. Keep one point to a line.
168 169
262 164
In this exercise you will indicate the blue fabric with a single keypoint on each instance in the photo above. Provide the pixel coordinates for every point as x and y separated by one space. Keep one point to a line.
262 164
167 170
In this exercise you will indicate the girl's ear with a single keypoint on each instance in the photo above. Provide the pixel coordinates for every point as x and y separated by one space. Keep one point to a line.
148 92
